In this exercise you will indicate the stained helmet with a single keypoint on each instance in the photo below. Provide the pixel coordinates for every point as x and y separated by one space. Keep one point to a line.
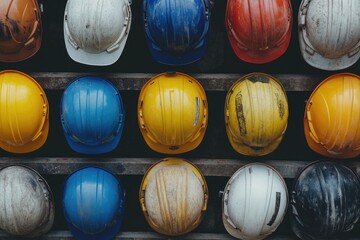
254 202
173 196
324 201
176 31
24 113
329 33
20 29
332 117
96 33
92 115
256 114
172 113
26 202
259 31
93 204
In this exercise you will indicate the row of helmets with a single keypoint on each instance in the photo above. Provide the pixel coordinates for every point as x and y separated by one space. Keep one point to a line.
177 31
173 196
173 114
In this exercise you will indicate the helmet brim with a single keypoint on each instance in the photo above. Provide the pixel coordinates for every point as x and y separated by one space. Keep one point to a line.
94 59
168 149
249 151
23 54
318 148
318 61
260 57
178 59
94 149
105 235
30 146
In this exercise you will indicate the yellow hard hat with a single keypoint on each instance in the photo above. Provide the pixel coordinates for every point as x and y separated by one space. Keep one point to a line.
332 117
24 113
256 114
172 113
173 196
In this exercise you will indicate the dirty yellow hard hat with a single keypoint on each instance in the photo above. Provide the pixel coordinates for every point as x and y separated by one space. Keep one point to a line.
256 114
173 196
172 113
24 113
332 117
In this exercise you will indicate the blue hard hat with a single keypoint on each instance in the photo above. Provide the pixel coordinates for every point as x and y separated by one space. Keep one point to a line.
92 115
176 31
93 204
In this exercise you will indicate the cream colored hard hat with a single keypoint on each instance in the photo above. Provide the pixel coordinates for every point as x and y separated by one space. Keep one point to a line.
173 196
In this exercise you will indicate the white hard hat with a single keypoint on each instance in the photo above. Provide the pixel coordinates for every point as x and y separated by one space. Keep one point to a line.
254 202
95 32
329 33
26 202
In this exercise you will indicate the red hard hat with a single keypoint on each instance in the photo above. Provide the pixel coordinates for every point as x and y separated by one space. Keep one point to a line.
259 31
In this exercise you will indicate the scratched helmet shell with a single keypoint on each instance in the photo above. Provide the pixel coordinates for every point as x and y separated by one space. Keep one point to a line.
332 117
325 201
329 33
172 113
24 113
176 31
20 29
95 33
173 196
256 114
26 202
254 202
259 31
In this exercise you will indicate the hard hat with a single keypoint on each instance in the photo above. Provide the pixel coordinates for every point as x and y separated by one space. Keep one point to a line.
256 114
26 202
24 113
332 117
173 196
20 29
324 201
329 33
96 33
254 202
259 31
176 31
172 113
92 115
93 204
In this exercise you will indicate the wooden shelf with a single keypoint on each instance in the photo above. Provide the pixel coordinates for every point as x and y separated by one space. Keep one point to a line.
66 235
210 82
138 166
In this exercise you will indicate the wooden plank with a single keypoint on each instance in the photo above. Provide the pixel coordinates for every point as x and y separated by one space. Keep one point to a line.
210 82
66 235
138 166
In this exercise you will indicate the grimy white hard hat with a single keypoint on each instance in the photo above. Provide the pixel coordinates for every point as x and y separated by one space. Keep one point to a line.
26 202
95 32
329 33
254 202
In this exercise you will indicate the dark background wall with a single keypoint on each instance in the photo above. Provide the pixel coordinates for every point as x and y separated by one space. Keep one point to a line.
219 58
